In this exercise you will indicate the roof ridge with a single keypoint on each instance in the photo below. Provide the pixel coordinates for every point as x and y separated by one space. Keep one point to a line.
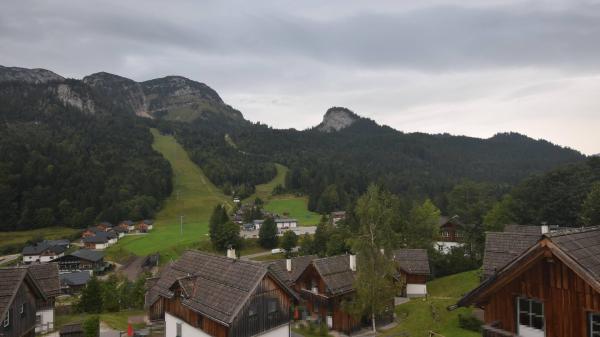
571 230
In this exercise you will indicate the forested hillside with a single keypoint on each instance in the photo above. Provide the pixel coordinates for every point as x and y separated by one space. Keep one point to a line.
334 167
68 164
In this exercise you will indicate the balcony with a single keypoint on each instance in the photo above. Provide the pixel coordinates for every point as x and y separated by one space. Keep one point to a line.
491 330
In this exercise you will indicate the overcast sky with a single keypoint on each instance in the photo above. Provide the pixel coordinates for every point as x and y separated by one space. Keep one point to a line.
463 67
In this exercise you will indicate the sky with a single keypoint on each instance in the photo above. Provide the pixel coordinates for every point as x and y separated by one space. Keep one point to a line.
463 67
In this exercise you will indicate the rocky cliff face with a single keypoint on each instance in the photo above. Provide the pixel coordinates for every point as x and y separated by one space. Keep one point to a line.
336 119
171 97
8 74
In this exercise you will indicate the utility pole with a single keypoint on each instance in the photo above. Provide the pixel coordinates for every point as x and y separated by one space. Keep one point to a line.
181 224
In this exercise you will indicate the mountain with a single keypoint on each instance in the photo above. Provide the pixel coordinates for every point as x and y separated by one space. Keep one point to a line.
98 126
337 118
28 75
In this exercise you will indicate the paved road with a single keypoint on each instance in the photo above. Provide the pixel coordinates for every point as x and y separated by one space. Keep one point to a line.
8 258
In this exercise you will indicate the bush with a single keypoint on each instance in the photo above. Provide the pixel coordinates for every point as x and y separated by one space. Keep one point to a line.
91 327
469 322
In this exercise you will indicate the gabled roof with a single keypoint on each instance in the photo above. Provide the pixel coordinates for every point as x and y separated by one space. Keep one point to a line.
449 219
413 261
336 273
77 278
503 247
10 281
215 286
96 239
299 264
126 222
579 249
88 254
46 275
42 247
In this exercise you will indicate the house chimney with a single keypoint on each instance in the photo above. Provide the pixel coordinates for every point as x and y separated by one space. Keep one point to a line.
288 265
231 253
382 251
352 262
545 229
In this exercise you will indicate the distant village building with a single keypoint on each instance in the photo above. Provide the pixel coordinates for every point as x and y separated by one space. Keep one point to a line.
44 251
549 286
281 223
145 226
450 234
206 295
87 260
336 217
413 271
128 225
73 282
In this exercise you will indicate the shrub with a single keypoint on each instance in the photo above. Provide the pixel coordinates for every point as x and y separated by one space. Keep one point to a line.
91 327
469 322
323 330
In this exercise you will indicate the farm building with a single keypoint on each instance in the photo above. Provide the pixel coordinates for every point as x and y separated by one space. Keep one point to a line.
47 278
450 229
550 289
206 295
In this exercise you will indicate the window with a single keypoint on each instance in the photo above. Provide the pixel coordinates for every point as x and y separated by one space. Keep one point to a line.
531 313
6 321
178 325
594 324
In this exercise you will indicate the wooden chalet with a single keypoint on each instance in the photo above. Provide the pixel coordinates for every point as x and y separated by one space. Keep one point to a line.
145 225
47 278
128 225
74 282
44 251
19 295
336 217
413 271
551 289
325 285
82 260
206 295
450 233
289 270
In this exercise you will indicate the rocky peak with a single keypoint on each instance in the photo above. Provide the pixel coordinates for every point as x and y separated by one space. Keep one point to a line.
125 92
336 119
8 74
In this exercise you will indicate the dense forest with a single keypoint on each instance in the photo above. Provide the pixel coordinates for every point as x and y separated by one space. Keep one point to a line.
334 168
59 165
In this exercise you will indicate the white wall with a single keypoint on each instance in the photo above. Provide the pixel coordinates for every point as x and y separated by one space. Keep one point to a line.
416 290
30 258
526 331
445 247
47 322
186 329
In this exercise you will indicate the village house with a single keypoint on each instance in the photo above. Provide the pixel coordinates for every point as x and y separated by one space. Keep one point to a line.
551 289
73 282
104 226
98 241
325 284
450 234
127 225
145 225
282 224
336 217
206 295
44 251
47 278
19 295
91 261
289 270
413 271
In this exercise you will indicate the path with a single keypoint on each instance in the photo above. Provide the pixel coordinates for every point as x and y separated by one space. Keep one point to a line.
8 258
133 268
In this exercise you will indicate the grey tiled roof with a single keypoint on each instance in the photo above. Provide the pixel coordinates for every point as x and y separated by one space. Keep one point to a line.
216 286
88 254
46 275
299 264
10 280
413 261
503 247
43 246
336 273
513 228
77 278
582 245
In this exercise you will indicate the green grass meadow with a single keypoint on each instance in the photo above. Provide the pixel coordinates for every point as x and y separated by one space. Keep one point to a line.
420 315
19 238
194 197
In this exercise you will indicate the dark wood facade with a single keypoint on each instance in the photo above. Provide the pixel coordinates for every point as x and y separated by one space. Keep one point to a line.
450 231
313 293
74 263
21 312
567 299
268 307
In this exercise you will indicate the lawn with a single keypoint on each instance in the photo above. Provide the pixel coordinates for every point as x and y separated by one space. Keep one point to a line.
194 197
296 207
419 316
115 320
15 240
264 191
